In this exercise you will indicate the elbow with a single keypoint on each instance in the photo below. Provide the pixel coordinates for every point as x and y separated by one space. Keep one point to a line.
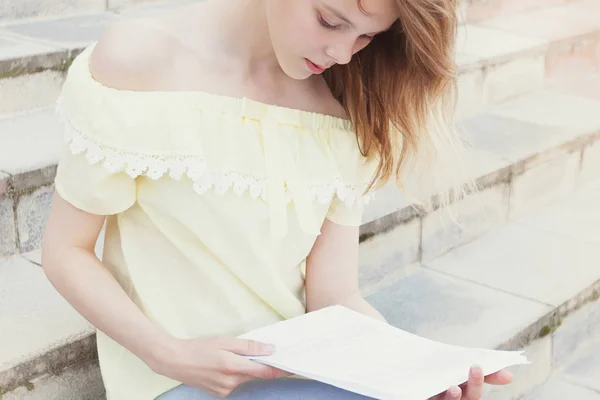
52 254
46 252
48 256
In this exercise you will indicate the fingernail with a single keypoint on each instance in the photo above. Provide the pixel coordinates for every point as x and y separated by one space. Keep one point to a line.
508 374
269 347
455 391
477 372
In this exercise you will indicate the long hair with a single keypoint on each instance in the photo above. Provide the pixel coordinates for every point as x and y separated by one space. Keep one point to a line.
400 95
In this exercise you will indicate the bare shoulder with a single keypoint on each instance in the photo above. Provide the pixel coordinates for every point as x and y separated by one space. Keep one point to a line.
129 54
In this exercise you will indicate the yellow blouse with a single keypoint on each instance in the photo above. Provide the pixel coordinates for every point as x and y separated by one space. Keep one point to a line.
213 205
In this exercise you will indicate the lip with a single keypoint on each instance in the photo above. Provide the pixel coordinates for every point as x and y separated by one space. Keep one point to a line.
314 68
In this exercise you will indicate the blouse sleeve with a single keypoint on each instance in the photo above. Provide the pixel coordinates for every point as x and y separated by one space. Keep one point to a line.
349 203
345 214
92 187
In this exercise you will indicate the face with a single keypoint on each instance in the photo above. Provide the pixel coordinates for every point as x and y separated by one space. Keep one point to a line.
309 36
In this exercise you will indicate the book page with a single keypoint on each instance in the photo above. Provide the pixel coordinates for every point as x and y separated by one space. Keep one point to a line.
355 352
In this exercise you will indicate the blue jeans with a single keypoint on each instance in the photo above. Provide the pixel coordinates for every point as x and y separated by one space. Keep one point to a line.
284 388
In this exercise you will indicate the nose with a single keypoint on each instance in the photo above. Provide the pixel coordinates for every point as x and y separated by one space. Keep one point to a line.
341 52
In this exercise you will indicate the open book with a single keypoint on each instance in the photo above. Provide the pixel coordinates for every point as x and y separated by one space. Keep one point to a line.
355 352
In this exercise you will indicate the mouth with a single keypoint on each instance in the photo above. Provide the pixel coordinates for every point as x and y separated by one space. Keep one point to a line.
314 68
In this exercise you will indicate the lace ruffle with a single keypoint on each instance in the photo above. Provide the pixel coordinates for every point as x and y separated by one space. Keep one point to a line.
136 163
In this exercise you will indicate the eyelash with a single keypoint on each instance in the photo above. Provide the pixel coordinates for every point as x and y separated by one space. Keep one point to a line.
330 27
326 24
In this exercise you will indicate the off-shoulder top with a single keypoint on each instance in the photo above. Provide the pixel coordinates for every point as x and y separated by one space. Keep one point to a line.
213 204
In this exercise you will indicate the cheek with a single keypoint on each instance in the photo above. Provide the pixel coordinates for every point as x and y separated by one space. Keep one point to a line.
295 30
359 45
309 40
299 34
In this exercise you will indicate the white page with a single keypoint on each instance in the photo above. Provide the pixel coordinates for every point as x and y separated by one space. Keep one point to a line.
344 348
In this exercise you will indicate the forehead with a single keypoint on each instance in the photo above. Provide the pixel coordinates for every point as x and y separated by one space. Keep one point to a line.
373 13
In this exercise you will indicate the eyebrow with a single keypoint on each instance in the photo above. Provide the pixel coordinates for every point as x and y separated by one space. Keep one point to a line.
339 15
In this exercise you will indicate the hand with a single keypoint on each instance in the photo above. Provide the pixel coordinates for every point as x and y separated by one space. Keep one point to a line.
215 364
473 389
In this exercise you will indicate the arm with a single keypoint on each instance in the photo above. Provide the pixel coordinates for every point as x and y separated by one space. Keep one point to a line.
74 270
332 278
332 271
68 257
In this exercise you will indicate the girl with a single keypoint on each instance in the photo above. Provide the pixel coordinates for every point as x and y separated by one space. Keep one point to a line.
229 147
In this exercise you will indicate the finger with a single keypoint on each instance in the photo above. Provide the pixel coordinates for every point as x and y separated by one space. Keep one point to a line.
242 366
502 377
454 393
261 371
474 389
245 347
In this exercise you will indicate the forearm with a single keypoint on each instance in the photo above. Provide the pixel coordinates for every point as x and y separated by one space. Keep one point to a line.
89 287
357 303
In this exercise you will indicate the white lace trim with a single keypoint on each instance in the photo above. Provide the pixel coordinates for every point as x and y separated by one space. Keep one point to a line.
154 166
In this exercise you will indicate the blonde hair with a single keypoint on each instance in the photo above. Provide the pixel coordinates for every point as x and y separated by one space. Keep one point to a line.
400 93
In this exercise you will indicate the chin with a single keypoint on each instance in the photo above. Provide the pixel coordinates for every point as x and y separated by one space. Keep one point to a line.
298 72
298 75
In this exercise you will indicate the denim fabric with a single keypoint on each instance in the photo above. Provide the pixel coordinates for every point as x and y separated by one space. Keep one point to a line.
285 388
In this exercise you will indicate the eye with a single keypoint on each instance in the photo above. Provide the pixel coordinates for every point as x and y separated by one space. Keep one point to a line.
326 24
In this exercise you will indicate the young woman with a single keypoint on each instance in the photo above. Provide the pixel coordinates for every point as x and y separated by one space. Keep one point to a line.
230 147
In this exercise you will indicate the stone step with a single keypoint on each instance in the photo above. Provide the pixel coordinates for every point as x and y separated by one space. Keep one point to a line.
478 10
41 332
510 55
498 58
29 148
11 10
477 295
36 53
510 289
82 381
526 152
576 364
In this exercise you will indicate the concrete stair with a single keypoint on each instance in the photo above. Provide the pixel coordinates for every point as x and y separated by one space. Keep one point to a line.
576 369
11 10
510 289
36 53
485 9
514 54
530 104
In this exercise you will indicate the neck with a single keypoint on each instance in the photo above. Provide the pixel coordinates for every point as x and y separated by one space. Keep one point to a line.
246 35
